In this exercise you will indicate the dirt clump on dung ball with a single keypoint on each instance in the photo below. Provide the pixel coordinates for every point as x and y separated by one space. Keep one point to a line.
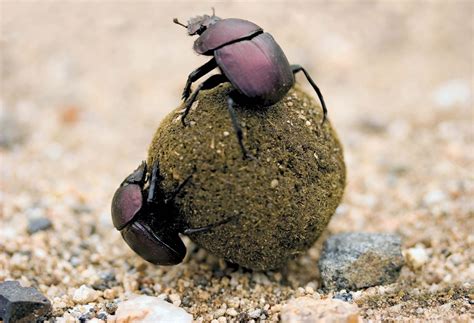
279 204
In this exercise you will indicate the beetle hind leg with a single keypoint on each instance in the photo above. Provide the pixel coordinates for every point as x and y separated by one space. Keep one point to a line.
208 227
296 68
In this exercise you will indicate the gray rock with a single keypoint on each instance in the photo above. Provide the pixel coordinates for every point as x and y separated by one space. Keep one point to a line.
358 260
38 224
22 304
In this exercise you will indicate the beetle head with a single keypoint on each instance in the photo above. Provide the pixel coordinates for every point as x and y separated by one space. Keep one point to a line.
197 25
151 239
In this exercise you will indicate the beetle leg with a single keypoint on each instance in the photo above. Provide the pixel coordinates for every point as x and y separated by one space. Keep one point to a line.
209 83
153 184
208 227
197 74
238 128
296 68
178 189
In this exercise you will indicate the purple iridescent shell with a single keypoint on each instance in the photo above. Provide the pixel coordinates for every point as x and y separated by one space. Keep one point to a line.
223 32
126 203
258 68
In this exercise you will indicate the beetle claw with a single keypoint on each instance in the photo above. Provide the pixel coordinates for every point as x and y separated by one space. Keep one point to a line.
183 122
186 94
248 155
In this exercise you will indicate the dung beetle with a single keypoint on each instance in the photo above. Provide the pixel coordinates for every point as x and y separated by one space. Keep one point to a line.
247 57
147 219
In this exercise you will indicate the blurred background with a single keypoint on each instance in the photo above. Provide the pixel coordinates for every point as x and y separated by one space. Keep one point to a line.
85 84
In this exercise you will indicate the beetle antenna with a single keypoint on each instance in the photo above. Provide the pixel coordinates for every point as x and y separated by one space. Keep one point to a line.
175 20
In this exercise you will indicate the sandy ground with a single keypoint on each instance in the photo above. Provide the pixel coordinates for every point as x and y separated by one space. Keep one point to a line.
84 86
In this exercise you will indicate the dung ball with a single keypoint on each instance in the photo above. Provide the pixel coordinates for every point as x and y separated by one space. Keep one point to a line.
259 212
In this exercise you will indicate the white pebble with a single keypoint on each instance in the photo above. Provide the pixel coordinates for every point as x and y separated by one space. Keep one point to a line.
175 299
274 183
434 197
84 295
150 309
452 93
231 312
255 313
416 257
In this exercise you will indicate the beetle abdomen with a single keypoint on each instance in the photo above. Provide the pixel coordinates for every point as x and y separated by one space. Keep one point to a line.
257 68
224 31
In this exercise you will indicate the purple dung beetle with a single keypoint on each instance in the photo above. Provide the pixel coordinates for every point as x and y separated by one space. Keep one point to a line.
247 57
147 219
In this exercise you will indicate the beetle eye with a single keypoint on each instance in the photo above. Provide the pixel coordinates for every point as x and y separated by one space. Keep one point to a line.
157 247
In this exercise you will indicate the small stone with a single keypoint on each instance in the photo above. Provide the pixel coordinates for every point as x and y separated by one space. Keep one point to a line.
111 307
343 296
453 92
102 316
231 312
358 260
416 257
149 309
38 224
175 299
109 294
306 309
434 197
84 295
22 303
255 313
274 183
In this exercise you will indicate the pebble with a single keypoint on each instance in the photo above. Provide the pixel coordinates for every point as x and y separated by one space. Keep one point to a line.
175 299
452 92
84 295
434 197
149 309
255 313
231 312
307 309
416 257
274 183
358 260
109 294
38 224
22 303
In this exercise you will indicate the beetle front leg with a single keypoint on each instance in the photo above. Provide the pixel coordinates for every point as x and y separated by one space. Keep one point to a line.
296 68
197 74
209 83
153 184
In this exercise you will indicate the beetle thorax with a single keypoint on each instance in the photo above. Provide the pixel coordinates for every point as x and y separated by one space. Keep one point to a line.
199 24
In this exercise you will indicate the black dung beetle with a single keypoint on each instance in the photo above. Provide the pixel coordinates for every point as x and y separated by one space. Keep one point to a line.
147 220
247 57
